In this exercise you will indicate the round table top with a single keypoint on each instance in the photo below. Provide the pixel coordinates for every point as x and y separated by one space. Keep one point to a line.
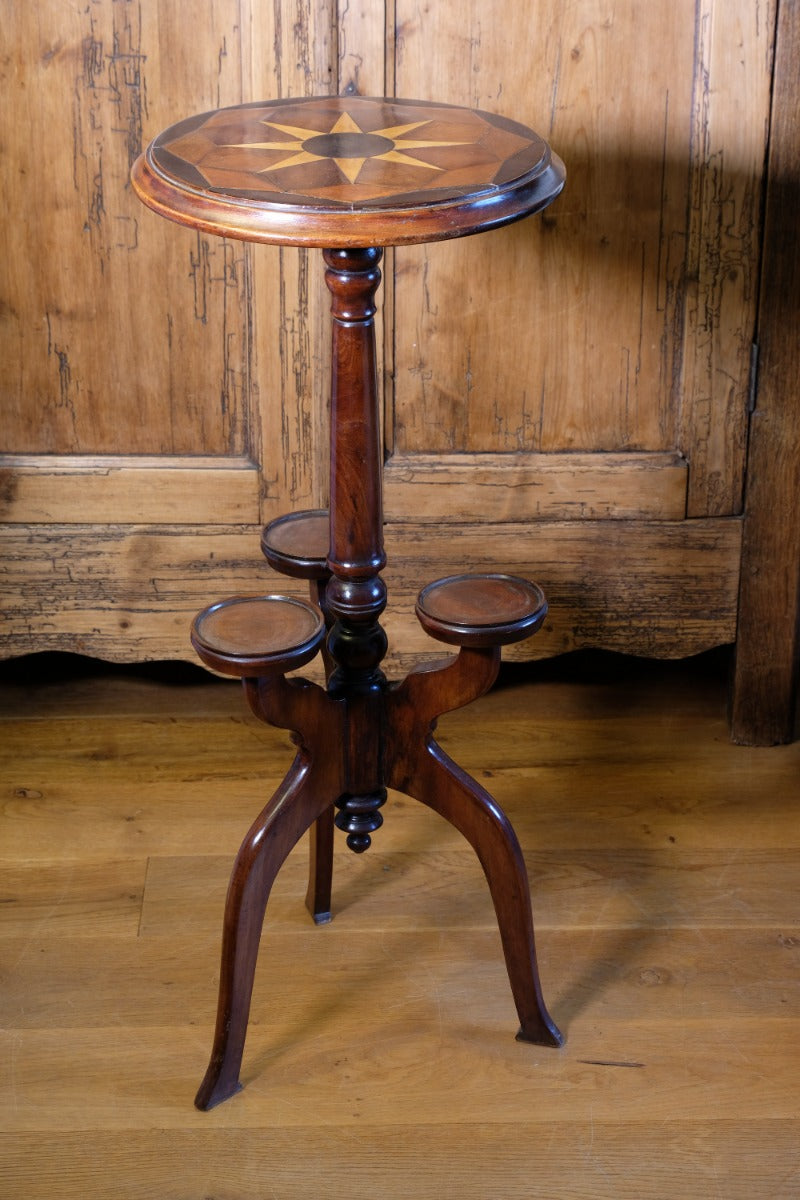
346 171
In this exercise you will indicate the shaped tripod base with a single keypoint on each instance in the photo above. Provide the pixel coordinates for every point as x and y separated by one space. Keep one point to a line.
403 719
420 768
303 797
260 857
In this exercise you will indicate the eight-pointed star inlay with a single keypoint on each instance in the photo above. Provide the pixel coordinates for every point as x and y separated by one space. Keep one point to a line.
348 145
348 152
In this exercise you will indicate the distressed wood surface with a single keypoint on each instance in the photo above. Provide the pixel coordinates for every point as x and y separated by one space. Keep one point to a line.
668 944
292 51
366 48
127 490
124 593
585 342
365 39
729 124
765 696
115 339
529 487
621 323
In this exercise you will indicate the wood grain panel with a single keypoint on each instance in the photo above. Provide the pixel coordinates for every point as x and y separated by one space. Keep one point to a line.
366 67
765 700
458 488
116 338
292 51
730 119
85 489
598 1157
128 592
365 48
683 578
558 334
622 318
617 323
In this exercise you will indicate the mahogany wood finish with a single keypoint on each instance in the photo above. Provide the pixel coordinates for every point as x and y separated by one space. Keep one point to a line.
347 171
297 544
251 636
486 610
352 175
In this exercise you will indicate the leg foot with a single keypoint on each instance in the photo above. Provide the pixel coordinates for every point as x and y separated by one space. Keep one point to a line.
448 790
552 1037
298 802
420 768
320 874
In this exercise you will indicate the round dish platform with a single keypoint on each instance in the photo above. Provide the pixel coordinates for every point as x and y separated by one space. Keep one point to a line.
481 610
250 636
297 544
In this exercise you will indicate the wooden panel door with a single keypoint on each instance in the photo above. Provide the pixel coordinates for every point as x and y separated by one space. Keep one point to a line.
144 437
570 395
566 398
765 706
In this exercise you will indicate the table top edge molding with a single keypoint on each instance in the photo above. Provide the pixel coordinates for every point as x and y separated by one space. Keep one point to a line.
314 196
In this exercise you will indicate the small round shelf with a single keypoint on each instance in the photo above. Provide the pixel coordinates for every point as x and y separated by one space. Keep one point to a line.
254 636
481 610
297 544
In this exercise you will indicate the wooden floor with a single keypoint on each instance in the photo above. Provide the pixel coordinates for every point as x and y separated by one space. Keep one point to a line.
381 1059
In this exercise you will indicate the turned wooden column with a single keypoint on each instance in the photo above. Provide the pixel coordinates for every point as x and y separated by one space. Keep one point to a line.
356 594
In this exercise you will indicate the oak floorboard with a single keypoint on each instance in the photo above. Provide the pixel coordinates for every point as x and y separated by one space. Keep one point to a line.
381 1058
65 899
431 889
595 1159
174 769
613 974
416 888
350 1070
577 804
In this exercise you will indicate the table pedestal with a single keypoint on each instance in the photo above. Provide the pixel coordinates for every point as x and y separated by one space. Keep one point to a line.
361 734
345 173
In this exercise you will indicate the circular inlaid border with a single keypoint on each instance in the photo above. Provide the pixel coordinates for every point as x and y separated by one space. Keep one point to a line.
198 174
